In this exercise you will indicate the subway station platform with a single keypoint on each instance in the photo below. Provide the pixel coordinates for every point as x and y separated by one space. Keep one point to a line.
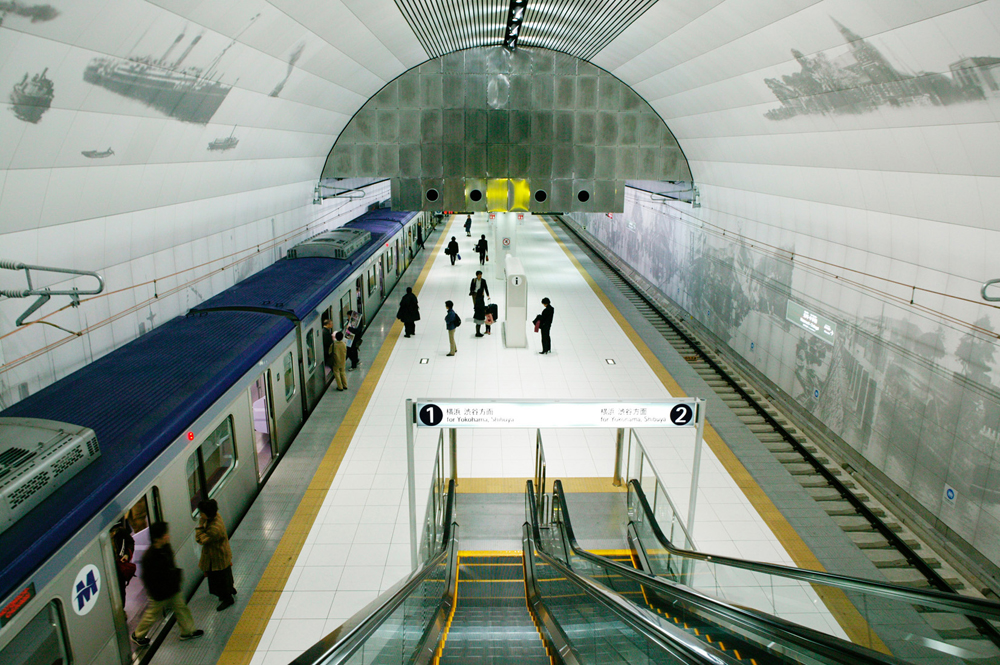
331 530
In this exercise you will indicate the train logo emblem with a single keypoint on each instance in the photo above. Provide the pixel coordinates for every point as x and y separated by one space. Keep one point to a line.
681 414
86 589
431 415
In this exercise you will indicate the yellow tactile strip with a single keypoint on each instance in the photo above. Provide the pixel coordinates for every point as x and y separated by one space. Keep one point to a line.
840 607
516 485
246 636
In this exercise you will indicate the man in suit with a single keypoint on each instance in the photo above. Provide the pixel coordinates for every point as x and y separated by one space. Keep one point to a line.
478 286
545 321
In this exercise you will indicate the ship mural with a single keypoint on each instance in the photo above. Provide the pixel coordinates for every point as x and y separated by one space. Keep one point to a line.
225 143
97 154
292 59
862 80
36 13
189 94
32 97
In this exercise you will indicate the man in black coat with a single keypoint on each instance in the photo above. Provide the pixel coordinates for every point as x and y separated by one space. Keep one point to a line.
478 285
409 312
354 334
545 323
162 579
482 247
452 250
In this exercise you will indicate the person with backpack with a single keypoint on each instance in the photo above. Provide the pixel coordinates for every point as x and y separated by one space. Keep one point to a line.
451 320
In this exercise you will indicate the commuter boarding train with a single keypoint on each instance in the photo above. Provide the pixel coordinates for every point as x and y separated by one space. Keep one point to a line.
202 406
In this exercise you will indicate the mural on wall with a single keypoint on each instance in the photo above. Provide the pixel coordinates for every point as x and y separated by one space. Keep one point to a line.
36 13
97 154
191 94
916 397
863 79
225 142
32 96
292 59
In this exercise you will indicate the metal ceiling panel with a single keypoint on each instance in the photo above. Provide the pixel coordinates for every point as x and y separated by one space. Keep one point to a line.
581 28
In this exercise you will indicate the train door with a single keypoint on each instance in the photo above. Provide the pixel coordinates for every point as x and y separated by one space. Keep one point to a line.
263 423
359 296
345 307
314 380
381 276
285 400
129 540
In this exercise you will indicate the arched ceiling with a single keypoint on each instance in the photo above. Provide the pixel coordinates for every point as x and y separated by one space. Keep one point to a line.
805 116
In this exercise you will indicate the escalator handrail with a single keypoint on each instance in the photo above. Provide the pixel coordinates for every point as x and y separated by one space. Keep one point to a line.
682 646
981 607
759 623
341 644
553 634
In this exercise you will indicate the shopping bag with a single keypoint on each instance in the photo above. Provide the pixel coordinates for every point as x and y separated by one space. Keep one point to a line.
489 319
458 256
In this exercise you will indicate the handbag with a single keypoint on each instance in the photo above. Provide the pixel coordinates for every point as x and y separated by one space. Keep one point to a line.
458 256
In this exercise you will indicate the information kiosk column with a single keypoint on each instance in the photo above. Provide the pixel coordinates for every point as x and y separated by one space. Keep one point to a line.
516 315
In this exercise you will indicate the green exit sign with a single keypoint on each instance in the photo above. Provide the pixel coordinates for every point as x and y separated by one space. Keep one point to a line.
812 322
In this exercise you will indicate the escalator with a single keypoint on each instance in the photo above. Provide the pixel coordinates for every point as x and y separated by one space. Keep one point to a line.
807 608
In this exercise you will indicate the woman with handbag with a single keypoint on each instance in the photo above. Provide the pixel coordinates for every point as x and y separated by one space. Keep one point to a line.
216 557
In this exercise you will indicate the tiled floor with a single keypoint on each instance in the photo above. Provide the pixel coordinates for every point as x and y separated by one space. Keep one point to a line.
345 565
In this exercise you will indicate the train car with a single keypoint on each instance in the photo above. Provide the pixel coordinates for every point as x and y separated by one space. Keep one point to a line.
202 406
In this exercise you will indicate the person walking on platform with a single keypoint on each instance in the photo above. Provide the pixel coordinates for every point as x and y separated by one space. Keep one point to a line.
543 322
451 320
162 579
479 313
468 225
482 247
409 312
452 250
478 285
216 556
340 361
354 337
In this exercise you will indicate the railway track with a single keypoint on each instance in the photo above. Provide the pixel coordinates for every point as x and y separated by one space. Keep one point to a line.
899 555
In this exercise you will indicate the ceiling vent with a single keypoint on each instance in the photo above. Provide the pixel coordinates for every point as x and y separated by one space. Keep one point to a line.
36 458
336 244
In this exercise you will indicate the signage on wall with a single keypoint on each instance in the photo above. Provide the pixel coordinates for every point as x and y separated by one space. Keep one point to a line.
15 606
86 589
522 414
950 495
506 242
810 321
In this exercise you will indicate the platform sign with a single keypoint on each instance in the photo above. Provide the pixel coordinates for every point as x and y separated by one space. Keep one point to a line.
449 413
820 326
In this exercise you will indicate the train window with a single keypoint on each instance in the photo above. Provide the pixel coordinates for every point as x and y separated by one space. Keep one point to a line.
41 642
371 280
289 377
208 467
310 351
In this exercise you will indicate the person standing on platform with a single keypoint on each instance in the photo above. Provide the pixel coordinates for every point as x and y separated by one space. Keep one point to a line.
482 247
451 320
216 556
478 285
162 579
479 313
544 323
468 225
452 250
340 361
354 335
124 546
409 312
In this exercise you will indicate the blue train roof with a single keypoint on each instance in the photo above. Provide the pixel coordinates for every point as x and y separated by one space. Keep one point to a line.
295 287
138 399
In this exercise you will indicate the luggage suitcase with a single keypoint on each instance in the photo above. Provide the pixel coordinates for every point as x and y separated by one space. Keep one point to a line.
494 310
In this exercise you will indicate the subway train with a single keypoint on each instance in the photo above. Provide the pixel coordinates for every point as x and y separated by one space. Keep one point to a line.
201 406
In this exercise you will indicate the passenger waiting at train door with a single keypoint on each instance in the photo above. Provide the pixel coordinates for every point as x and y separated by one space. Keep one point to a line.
340 361
216 556
352 338
124 546
162 579
328 343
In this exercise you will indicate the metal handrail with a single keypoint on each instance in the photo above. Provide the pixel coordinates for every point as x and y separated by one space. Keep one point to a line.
678 643
342 643
981 607
656 474
552 633
540 472
759 623
987 284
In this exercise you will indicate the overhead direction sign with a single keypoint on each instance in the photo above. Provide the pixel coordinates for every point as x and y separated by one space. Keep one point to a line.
449 413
